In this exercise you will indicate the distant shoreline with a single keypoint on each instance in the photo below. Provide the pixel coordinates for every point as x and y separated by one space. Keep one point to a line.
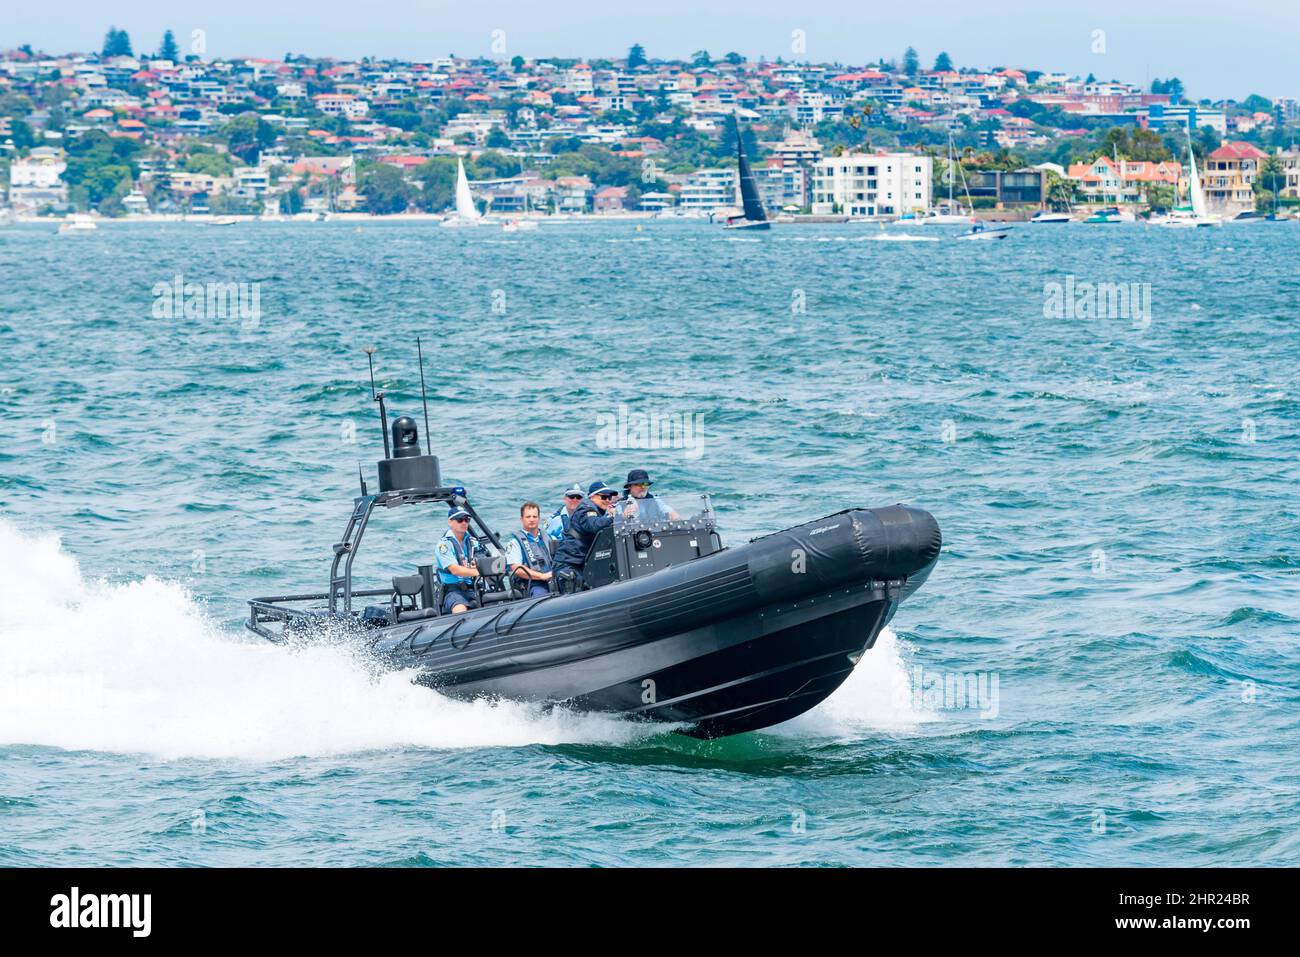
209 218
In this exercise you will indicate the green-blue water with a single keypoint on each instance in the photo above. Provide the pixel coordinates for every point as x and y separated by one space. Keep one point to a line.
1118 500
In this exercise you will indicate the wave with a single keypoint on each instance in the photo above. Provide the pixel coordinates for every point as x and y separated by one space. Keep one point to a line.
141 667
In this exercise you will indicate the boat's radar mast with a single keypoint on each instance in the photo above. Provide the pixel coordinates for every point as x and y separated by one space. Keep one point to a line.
403 467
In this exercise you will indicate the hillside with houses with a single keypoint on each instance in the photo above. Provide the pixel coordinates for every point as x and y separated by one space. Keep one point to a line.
124 133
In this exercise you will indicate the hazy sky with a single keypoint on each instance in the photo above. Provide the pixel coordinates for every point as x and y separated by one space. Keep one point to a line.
1220 49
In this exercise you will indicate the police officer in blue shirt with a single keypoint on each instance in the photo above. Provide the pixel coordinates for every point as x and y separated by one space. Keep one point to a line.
528 553
456 568
559 521
593 514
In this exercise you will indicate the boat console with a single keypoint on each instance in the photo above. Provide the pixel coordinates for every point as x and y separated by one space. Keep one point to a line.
633 549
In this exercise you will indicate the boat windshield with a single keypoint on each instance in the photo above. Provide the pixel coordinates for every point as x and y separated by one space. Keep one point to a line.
702 514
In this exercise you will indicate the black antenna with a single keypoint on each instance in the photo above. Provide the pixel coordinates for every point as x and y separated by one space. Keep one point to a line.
378 397
362 479
424 397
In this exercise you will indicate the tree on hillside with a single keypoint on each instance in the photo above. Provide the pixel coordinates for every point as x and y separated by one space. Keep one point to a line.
735 59
1257 104
911 62
942 62
386 189
1172 86
437 179
636 56
168 50
701 58
116 43
248 135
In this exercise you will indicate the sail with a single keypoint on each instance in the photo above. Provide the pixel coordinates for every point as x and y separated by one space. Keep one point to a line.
749 200
1194 185
465 208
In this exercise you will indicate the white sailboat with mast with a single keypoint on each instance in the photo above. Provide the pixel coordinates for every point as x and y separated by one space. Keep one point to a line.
1196 213
467 213
951 212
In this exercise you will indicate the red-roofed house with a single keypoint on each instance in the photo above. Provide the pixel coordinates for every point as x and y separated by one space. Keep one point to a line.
1230 173
610 199
1103 180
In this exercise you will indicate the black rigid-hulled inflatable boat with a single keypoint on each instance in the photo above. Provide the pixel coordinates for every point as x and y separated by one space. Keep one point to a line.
674 628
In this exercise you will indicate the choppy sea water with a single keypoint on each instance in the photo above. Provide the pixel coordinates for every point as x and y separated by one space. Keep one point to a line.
1118 497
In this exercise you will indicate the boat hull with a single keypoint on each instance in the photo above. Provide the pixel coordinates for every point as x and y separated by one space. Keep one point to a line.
741 639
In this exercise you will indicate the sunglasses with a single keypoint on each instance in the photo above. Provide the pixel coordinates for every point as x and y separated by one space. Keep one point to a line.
578 497
607 495
458 521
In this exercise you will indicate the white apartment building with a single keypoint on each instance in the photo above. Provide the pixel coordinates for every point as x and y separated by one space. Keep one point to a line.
871 184
36 180
708 189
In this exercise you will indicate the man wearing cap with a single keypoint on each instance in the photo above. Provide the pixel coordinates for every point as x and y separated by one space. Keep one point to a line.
644 506
456 568
594 513
528 554
559 522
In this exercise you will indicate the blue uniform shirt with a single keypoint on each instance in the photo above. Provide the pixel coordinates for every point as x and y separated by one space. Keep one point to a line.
556 527
451 552
515 553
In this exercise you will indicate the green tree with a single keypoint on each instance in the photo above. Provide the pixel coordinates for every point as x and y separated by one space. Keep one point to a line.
116 43
1272 177
168 50
701 58
911 62
386 189
437 179
491 164
1257 104
21 133
497 139
942 62
208 162
735 59
1160 196
517 63
636 56
248 135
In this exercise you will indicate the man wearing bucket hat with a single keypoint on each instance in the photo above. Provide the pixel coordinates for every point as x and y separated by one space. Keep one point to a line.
645 507
558 524
594 513
456 568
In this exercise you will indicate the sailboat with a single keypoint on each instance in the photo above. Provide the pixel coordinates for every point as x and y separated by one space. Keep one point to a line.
949 213
1196 213
753 215
467 213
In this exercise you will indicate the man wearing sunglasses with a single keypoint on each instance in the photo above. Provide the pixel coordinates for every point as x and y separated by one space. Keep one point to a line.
456 568
593 513
558 525
642 503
